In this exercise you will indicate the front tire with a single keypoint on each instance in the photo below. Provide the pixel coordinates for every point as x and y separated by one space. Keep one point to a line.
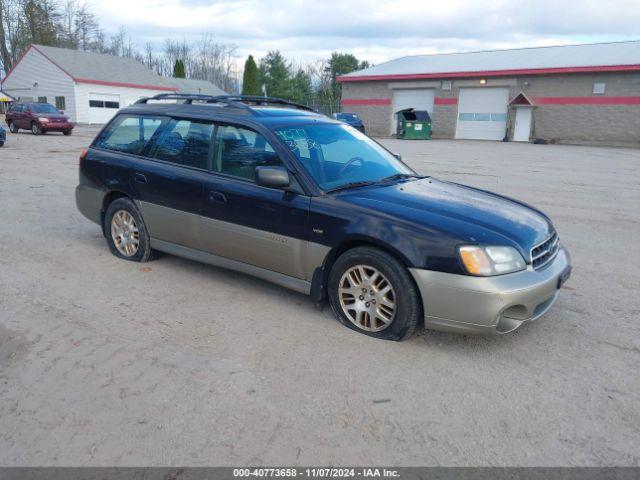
13 128
35 129
373 293
126 232
67 132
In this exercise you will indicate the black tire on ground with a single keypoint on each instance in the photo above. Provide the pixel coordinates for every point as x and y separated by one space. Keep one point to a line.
13 128
35 129
144 252
408 314
67 132
1 144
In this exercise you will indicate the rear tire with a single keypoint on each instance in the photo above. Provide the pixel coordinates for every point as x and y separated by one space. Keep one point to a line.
126 232
13 128
35 129
1 144
373 293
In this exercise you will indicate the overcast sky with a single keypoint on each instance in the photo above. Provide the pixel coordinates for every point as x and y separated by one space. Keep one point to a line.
373 30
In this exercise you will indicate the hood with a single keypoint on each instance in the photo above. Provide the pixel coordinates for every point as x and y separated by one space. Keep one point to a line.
50 115
466 213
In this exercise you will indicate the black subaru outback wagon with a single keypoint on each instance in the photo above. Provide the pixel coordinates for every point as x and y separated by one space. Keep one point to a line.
275 190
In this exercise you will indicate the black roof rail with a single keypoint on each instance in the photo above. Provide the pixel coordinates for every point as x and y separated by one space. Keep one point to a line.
237 101
188 98
259 100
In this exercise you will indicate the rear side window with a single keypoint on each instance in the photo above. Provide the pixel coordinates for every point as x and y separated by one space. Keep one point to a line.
129 134
239 151
184 142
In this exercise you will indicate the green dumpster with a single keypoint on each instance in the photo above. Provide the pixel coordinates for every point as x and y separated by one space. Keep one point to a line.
413 124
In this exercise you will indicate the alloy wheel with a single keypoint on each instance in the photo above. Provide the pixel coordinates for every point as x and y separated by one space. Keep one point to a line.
367 298
125 233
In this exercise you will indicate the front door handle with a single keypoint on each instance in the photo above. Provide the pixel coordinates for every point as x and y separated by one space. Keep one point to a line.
140 178
217 197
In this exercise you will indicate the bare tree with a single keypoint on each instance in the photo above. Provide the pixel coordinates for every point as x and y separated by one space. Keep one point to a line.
87 32
217 63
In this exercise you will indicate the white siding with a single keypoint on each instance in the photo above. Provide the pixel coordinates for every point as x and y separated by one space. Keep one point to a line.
51 81
127 96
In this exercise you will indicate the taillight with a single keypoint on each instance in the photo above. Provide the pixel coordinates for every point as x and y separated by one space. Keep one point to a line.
83 155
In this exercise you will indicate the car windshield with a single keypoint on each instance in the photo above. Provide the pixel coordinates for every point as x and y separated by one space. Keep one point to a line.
43 108
337 156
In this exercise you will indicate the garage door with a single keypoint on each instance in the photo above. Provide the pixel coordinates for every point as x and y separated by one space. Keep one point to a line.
420 99
482 113
102 107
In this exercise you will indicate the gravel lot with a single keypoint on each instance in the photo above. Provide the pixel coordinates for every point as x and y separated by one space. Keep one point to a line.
106 362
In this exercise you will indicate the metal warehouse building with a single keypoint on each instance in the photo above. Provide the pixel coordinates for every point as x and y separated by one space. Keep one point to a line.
90 87
573 94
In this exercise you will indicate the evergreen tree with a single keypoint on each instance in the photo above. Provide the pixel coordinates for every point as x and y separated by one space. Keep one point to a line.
275 74
178 69
250 78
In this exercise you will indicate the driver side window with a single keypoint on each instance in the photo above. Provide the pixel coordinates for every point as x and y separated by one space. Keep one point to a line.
238 151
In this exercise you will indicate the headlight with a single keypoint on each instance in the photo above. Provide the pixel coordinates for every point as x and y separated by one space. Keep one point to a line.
488 261
43 119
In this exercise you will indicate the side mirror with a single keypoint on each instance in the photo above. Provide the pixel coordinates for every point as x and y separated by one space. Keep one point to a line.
398 156
272 177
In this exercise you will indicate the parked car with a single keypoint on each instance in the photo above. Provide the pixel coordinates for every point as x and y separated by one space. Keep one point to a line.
39 118
350 119
3 136
277 191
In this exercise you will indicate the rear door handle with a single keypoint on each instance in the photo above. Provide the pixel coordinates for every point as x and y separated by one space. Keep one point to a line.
217 197
140 178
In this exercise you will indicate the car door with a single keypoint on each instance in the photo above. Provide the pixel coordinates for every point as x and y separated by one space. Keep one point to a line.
169 181
18 116
243 221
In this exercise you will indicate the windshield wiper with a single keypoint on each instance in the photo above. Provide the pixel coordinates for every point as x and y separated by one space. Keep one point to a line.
349 185
400 176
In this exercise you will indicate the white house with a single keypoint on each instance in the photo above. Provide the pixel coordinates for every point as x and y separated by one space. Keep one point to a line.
90 87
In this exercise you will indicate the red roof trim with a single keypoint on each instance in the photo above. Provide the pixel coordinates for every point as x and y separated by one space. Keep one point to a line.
521 99
366 101
41 53
124 84
587 100
88 80
15 65
491 73
54 63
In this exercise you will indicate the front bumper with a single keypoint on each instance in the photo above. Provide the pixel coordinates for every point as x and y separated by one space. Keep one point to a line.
55 126
489 305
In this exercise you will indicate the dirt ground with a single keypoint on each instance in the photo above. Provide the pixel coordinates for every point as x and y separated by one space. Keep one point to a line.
107 362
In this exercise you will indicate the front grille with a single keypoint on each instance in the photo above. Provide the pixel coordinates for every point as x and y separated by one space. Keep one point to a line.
544 252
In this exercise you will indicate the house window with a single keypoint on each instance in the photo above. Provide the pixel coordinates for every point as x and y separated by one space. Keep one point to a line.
42 99
599 88
111 104
96 103
60 103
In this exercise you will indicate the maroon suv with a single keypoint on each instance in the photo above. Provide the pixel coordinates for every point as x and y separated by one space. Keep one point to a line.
39 118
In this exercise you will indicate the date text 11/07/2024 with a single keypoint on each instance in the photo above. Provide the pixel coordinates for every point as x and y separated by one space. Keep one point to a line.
317 472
